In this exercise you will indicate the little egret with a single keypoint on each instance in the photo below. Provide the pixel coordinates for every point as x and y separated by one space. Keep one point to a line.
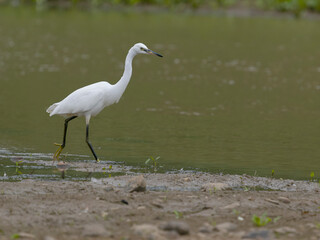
90 100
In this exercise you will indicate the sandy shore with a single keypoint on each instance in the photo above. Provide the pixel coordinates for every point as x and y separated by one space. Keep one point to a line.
173 206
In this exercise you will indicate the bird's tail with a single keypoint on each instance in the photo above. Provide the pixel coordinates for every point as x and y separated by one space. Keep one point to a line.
51 108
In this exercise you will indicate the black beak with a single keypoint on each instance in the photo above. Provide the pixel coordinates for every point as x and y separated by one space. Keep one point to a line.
154 53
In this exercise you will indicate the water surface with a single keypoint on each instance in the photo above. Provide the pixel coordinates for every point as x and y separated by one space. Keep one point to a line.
232 95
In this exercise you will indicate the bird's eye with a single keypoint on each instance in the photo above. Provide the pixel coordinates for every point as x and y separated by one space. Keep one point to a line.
141 49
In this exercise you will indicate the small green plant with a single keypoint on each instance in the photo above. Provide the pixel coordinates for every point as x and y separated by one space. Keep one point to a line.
276 219
272 173
18 166
236 212
105 170
311 176
260 221
165 198
178 214
317 225
154 162
15 236
212 190
212 222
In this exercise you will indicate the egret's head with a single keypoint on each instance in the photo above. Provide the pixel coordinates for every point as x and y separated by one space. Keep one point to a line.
140 48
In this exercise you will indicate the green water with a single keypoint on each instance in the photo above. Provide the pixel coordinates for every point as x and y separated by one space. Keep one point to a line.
231 95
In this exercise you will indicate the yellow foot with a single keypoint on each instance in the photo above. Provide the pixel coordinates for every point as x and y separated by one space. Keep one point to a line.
98 160
57 153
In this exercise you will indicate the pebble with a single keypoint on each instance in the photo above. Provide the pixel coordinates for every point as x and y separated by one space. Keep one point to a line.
259 234
62 166
206 228
272 201
310 225
237 235
109 189
284 199
157 203
178 226
49 238
187 179
225 227
212 187
104 215
148 231
137 184
141 208
232 205
94 230
26 235
285 230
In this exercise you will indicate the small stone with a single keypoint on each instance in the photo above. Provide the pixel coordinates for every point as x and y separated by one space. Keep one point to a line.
26 235
232 206
109 189
124 202
137 184
212 187
141 208
284 199
49 238
157 203
310 225
225 227
62 166
94 230
237 235
259 234
206 228
104 215
180 227
285 230
272 201
187 179
148 231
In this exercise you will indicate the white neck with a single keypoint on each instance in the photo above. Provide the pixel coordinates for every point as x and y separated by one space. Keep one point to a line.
122 84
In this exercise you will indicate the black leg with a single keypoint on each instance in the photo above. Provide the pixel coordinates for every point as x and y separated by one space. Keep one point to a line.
61 146
89 144
65 130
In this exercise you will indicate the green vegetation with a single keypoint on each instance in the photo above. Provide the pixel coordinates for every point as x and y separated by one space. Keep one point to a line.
262 220
293 6
107 171
311 176
15 236
272 173
18 167
178 214
154 162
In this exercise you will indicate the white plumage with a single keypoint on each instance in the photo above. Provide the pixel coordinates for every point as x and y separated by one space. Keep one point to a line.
90 100
87 101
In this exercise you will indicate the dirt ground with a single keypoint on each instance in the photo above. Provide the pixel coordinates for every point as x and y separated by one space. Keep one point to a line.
173 206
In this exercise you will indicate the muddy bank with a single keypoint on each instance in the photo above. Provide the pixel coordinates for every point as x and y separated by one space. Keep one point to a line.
172 206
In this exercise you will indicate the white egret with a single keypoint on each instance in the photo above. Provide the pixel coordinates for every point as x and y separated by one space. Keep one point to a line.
90 100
